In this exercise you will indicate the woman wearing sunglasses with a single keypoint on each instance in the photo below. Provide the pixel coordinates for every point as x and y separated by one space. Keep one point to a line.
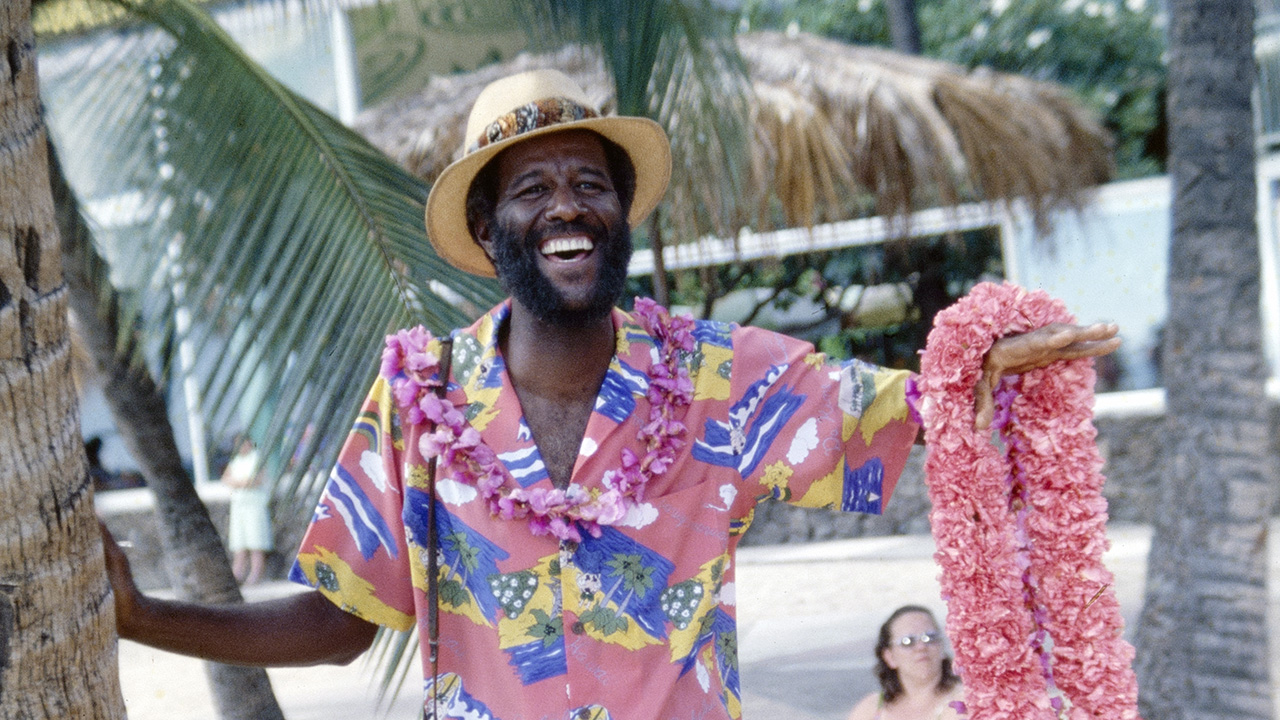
915 674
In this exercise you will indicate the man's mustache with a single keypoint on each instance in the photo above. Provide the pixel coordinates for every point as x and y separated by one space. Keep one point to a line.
597 233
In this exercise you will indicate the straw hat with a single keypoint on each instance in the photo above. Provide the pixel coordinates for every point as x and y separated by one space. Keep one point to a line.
520 107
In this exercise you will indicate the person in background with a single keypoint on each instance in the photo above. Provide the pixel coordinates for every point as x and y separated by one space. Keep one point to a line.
249 527
916 680
102 478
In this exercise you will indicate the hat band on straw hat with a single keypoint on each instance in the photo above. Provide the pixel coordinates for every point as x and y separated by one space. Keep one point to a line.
532 116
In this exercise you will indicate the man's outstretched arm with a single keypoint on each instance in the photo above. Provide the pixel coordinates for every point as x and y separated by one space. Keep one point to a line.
302 629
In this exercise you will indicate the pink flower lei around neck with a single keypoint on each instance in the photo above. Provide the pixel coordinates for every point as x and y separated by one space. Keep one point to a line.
413 371
1032 616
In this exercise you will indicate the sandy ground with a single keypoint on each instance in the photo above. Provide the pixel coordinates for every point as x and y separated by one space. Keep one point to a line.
808 615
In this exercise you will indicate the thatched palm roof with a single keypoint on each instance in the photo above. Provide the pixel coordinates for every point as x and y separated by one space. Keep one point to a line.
920 131
832 122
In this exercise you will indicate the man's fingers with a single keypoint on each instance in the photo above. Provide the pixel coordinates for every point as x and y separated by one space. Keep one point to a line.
120 575
1088 348
118 570
1056 335
115 554
1096 331
1017 354
1034 355
984 407
108 540
1060 335
1100 331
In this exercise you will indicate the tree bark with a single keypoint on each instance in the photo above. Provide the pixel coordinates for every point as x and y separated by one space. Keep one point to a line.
904 27
1202 635
195 558
57 640
661 293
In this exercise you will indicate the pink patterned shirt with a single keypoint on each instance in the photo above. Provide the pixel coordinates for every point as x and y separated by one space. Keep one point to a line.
639 623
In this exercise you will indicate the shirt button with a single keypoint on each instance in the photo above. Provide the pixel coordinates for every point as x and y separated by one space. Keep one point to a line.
578 628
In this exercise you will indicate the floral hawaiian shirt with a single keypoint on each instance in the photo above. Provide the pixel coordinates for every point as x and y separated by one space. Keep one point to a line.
640 622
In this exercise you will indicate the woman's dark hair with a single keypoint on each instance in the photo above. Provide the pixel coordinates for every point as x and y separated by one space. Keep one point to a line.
482 197
890 683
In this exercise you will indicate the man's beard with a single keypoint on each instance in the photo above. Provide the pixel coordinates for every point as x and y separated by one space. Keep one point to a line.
515 257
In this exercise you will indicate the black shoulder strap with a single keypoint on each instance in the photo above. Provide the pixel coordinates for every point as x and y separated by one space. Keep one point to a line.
433 544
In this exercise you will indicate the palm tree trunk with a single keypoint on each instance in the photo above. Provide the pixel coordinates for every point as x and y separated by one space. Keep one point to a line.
57 645
195 557
904 29
661 293
1202 635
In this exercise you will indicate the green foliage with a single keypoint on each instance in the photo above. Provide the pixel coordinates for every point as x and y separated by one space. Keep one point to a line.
930 273
288 242
1109 52
864 22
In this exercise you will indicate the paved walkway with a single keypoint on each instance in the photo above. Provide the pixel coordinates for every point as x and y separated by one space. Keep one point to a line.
808 615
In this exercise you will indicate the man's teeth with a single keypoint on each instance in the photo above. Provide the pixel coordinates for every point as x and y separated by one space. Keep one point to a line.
567 245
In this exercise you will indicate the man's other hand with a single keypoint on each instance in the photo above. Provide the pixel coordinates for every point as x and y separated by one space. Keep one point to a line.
121 577
1016 354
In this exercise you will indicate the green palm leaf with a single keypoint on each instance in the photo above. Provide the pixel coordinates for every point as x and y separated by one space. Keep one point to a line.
292 244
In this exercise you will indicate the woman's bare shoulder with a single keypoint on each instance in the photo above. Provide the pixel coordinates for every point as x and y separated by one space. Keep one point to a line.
866 707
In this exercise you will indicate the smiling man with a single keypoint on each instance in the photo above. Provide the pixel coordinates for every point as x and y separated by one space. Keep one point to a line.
594 468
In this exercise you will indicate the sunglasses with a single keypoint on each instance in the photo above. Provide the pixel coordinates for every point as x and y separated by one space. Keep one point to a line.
923 639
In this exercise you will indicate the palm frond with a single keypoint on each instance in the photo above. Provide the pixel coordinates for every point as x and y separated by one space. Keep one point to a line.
391 659
701 94
628 34
292 243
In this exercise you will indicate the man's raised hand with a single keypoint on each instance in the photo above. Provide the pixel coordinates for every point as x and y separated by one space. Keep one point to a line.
1016 354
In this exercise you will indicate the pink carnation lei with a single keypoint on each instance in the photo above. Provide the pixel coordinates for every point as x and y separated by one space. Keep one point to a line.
1034 622
413 371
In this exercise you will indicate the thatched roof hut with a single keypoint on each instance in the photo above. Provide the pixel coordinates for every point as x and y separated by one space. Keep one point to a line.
839 130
